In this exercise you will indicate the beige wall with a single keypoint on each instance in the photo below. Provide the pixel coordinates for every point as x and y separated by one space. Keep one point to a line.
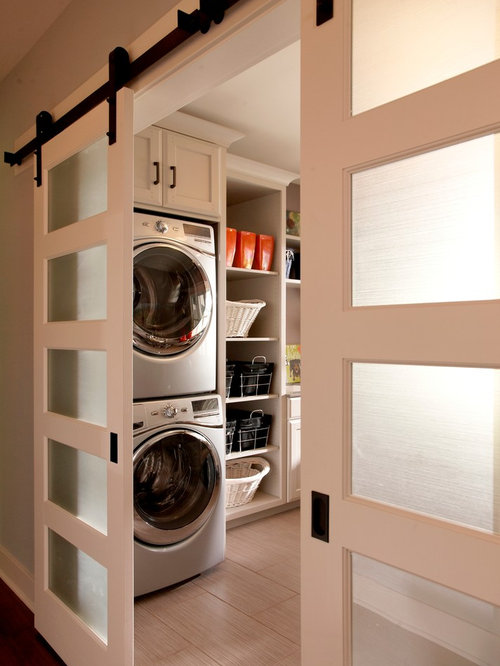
73 49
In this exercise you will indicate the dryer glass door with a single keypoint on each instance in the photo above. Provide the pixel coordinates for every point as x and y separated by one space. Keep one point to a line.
177 481
172 300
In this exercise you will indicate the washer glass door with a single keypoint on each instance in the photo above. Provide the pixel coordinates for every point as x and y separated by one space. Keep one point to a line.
172 299
177 482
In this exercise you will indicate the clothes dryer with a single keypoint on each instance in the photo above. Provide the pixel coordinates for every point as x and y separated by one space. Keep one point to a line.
179 489
174 311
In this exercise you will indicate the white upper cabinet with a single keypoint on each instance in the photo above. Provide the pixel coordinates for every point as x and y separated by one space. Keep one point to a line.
178 172
148 182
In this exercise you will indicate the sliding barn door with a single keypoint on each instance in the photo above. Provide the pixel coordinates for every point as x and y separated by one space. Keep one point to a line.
83 391
401 333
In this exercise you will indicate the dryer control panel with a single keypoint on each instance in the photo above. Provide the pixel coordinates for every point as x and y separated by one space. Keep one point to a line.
202 410
154 226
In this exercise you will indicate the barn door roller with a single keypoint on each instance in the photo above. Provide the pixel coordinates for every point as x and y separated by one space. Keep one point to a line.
121 72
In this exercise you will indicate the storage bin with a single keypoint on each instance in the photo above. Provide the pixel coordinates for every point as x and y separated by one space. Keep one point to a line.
231 235
245 249
252 378
264 251
243 477
251 431
230 430
292 265
288 262
230 367
240 315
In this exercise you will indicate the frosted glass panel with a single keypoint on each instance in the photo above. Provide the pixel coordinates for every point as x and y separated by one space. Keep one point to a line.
80 582
77 285
399 46
424 438
78 483
424 228
78 187
399 618
77 384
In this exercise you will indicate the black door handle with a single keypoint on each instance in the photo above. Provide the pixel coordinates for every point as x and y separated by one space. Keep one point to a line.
173 169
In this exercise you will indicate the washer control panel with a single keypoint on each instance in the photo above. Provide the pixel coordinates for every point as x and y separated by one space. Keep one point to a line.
202 410
153 226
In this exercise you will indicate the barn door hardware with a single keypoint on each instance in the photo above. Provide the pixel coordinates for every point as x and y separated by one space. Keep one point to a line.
43 128
121 72
200 19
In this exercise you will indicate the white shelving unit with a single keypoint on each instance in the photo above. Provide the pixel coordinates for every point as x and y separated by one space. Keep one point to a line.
256 201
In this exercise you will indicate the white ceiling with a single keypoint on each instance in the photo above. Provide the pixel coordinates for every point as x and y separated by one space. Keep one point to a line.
263 102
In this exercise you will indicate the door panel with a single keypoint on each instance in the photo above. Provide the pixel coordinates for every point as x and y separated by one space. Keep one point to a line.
424 439
388 60
399 618
83 391
399 403
424 227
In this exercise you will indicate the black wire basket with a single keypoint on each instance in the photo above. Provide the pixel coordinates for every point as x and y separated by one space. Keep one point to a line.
251 431
250 378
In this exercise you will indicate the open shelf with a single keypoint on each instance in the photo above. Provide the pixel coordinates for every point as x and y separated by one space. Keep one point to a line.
247 273
292 241
252 398
252 452
251 339
260 502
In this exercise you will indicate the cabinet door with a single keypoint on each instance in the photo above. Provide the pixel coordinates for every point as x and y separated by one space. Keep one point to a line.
148 175
293 480
192 173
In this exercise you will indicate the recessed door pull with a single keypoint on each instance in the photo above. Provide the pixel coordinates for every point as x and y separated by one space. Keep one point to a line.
320 516
113 447
324 11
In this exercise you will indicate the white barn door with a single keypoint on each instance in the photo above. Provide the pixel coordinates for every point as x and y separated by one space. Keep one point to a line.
400 333
83 391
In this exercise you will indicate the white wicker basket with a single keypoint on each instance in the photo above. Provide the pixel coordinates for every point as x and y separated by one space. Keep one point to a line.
243 478
240 315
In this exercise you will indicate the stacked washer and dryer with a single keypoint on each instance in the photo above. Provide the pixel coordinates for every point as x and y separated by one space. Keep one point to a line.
179 438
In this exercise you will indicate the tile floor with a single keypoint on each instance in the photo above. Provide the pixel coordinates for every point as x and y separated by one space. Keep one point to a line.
245 611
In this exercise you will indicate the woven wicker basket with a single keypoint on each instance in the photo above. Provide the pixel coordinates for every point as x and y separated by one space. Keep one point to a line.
243 478
240 315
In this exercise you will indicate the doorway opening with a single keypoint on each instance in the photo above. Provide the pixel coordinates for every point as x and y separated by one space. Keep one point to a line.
257 96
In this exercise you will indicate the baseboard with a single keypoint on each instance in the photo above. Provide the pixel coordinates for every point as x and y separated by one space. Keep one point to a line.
17 577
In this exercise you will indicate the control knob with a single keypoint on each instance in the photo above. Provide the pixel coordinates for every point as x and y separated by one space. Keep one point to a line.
161 226
170 411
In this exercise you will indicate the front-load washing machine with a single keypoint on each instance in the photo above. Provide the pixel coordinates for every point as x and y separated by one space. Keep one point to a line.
179 493
174 311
